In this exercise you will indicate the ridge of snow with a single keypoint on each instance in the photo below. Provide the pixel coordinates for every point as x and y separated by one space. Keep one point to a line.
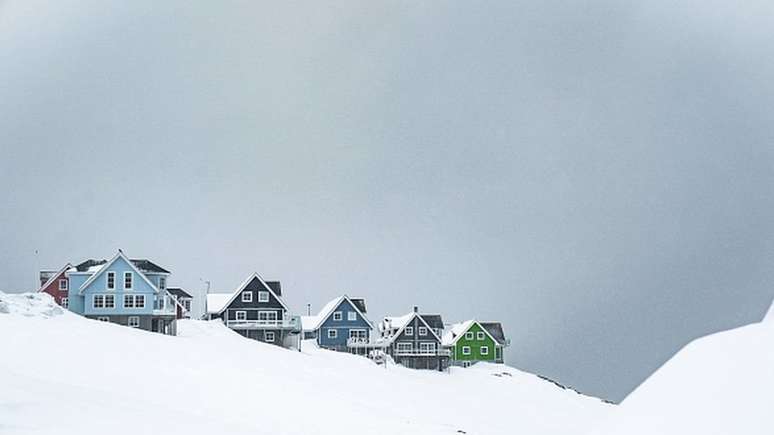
209 379
769 317
29 304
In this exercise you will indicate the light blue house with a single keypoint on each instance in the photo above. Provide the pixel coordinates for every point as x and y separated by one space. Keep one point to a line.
131 292
340 325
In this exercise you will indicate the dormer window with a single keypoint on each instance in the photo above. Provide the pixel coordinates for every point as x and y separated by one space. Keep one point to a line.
63 284
111 280
163 283
128 276
247 296
263 296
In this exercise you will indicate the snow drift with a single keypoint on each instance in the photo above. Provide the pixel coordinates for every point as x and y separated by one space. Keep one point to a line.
61 373
720 384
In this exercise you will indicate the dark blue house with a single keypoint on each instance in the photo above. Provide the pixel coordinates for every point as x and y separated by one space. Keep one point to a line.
341 325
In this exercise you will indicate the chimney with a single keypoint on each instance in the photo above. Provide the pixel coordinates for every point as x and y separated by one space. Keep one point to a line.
308 309
416 309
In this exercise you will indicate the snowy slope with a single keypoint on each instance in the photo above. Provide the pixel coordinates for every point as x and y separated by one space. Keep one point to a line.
721 384
63 374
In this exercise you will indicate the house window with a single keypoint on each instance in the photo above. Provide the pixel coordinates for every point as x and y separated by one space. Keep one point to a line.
269 336
139 301
480 335
409 330
332 333
484 350
98 301
267 316
241 316
352 316
128 280
337 316
111 280
466 350
263 296
247 296
103 318
63 284
422 331
358 334
469 335
65 303
110 301
133 322
134 301
163 283
427 347
128 301
187 304
404 347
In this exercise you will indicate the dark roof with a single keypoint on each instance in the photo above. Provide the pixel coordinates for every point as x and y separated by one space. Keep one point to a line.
433 320
180 293
275 286
84 266
359 303
495 329
148 266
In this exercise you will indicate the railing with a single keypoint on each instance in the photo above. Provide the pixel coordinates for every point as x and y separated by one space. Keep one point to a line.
164 305
287 323
422 352
360 342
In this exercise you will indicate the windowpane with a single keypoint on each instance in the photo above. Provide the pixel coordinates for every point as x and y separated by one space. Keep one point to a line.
111 280
128 280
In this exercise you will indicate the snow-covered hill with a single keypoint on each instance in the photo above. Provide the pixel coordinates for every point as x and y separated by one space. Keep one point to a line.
62 374
721 384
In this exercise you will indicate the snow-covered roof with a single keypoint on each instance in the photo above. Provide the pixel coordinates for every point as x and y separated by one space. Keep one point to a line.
216 302
219 303
455 331
66 268
102 268
308 323
315 322
391 324
395 322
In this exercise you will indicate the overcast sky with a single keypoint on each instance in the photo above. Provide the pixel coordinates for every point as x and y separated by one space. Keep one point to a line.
597 175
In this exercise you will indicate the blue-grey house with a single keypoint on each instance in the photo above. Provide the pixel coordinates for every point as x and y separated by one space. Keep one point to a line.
131 292
340 325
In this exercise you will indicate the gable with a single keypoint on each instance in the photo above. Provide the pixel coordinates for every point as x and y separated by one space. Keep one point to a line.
345 306
253 284
97 283
416 322
475 328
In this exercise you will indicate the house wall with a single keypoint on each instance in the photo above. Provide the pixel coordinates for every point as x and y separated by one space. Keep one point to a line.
475 346
342 326
75 299
53 289
99 286
415 338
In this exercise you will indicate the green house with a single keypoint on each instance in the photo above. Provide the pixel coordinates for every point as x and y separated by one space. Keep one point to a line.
472 341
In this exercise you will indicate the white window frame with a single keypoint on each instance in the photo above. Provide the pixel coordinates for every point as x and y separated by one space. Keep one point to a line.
65 303
337 316
333 333
247 296
351 316
108 279
162 283
403 347
427 347
129 275
484 350
112 299
96 298
138 299
409 330
133 321
268 316
103 319
268 336
263 296
480 336
129 301
243 315
469 335
358 333
422 331
466 350
62 284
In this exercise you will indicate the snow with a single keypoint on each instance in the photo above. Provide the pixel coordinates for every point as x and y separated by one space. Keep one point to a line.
455 331
217 301
309 323
64 374
720 384
769 317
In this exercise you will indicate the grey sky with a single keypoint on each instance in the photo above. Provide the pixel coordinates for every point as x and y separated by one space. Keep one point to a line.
597 175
